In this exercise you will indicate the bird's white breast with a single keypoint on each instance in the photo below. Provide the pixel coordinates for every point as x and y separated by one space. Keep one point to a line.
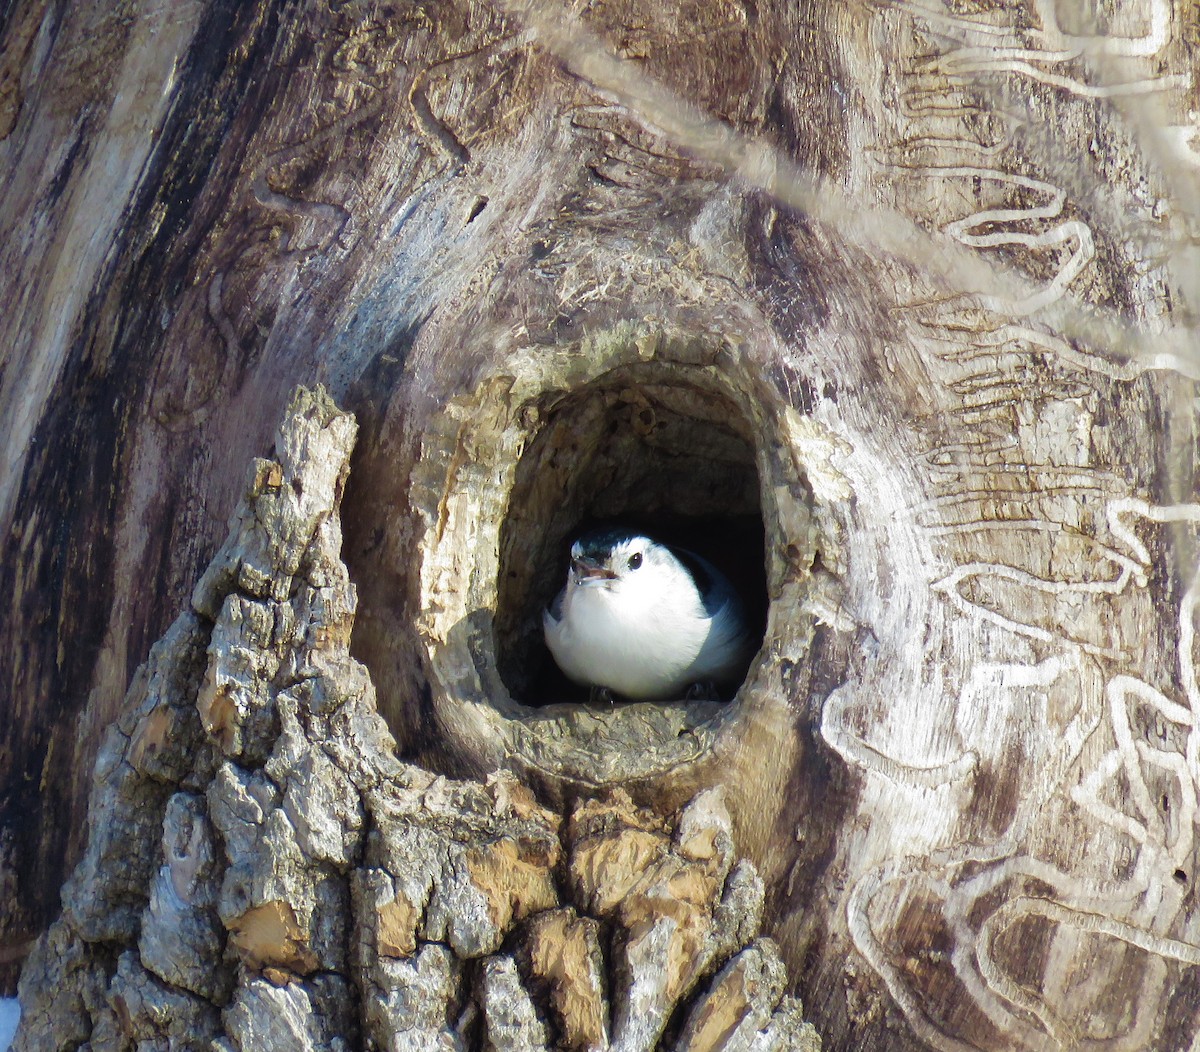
642 646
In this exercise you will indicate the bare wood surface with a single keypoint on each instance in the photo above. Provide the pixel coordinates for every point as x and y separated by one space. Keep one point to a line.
969 734
262 872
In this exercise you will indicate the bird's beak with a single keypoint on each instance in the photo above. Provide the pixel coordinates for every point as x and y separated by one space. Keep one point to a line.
586 570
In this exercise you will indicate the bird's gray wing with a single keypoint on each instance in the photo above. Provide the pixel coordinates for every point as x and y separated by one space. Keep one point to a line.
715 590
729 631
555 607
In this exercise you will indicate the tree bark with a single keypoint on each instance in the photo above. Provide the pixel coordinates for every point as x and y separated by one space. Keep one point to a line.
263 873
889 306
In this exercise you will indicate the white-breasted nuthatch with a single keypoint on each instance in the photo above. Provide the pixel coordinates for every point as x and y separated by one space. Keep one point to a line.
645 620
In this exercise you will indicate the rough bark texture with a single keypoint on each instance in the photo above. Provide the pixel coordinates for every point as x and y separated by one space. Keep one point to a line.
263 874
965 761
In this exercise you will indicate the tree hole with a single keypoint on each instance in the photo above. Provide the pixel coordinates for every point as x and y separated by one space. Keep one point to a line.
647 446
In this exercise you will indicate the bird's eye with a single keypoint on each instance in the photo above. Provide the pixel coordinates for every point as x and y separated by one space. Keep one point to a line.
635 560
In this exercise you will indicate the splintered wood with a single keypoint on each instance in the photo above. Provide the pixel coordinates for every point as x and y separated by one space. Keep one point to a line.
263 872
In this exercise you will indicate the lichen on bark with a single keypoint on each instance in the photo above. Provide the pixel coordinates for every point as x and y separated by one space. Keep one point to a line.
264 873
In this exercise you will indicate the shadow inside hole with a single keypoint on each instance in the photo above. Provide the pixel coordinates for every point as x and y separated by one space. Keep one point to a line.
645 447
734 545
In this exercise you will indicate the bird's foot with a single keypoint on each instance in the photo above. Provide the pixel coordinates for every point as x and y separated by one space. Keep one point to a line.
600 695
705 690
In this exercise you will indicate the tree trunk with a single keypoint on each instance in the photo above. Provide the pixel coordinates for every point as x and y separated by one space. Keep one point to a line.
262 872
885 308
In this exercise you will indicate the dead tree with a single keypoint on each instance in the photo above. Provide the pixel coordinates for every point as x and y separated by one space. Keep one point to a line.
887 307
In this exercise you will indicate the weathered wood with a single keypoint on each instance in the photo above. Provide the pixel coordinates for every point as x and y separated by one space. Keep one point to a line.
269 876
548 293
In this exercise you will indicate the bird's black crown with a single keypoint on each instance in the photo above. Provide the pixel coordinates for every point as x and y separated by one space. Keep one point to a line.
597 544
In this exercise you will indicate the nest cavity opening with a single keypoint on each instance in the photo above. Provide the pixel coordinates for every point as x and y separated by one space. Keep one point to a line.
654 448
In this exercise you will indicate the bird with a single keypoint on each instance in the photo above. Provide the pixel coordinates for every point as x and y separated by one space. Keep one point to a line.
645 620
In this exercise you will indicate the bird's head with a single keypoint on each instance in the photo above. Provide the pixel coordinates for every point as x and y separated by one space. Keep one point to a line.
625 562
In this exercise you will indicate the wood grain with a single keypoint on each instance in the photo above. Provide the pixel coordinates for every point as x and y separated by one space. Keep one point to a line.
964 762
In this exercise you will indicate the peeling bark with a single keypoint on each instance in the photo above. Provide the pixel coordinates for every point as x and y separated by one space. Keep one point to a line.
277 879
890 304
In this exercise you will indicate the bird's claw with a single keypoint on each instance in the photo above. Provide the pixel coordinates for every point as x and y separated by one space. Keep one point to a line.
705 690
600 695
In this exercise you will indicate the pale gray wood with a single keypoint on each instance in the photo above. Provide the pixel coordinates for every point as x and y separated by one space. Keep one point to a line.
547 291
263 873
